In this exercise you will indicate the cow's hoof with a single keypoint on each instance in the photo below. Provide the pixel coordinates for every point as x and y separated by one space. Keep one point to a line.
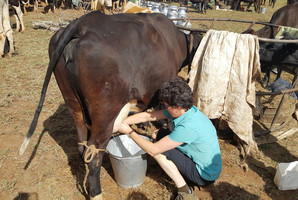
15 53
98 197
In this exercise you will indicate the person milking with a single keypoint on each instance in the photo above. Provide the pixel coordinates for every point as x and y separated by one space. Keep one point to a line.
188 153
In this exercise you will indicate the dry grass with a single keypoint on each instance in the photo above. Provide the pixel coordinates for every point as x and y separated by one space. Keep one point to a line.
228 14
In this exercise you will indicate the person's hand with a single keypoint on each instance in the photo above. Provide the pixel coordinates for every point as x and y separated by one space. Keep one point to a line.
125 128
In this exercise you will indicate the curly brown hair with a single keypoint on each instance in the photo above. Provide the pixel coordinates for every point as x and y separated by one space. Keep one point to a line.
176 93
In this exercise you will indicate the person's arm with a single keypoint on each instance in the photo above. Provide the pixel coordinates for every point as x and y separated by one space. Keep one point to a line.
139 118
144 117
156 148
152 149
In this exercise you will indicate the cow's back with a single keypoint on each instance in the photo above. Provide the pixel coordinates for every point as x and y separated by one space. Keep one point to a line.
131 30
135 49
286 16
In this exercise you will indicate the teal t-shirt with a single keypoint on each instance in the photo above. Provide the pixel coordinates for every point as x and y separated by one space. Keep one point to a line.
200 142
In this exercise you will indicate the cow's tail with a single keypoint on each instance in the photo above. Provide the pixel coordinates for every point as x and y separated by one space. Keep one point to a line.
66 36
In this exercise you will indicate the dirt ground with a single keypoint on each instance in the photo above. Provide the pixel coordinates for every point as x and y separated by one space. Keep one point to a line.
51 167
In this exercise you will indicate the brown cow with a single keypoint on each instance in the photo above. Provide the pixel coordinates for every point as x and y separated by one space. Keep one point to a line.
236 4
285 16
278 54
101 63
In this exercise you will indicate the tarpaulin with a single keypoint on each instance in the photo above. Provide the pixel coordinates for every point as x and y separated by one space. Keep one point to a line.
222 76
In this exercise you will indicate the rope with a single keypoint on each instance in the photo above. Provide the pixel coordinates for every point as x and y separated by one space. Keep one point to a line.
85 179
91 151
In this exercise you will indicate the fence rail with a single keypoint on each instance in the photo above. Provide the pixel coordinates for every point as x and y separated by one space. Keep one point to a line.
230 20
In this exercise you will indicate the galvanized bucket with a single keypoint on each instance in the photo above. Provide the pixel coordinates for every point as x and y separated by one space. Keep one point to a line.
129 161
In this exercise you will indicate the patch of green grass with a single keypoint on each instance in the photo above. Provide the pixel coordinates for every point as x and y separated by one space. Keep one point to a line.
4 152
8 185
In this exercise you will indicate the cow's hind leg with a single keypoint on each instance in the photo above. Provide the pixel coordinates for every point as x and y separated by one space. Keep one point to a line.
205 6
94 166
93 173
71 99
7 31
102 97
248 6
19 18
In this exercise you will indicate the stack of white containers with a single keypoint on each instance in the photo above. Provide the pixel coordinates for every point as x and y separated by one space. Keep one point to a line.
172 12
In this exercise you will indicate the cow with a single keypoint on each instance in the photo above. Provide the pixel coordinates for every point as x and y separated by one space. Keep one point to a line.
105 6
282 55
201 5
134 8
18 14
5 29
117 4
271 2
236 4
102 62
284 16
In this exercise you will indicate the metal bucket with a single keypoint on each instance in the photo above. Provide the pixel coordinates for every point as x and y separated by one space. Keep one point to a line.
129 161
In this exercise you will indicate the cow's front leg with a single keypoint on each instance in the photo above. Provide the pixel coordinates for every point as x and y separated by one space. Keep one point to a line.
94 178
93 156
93 172
93 160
